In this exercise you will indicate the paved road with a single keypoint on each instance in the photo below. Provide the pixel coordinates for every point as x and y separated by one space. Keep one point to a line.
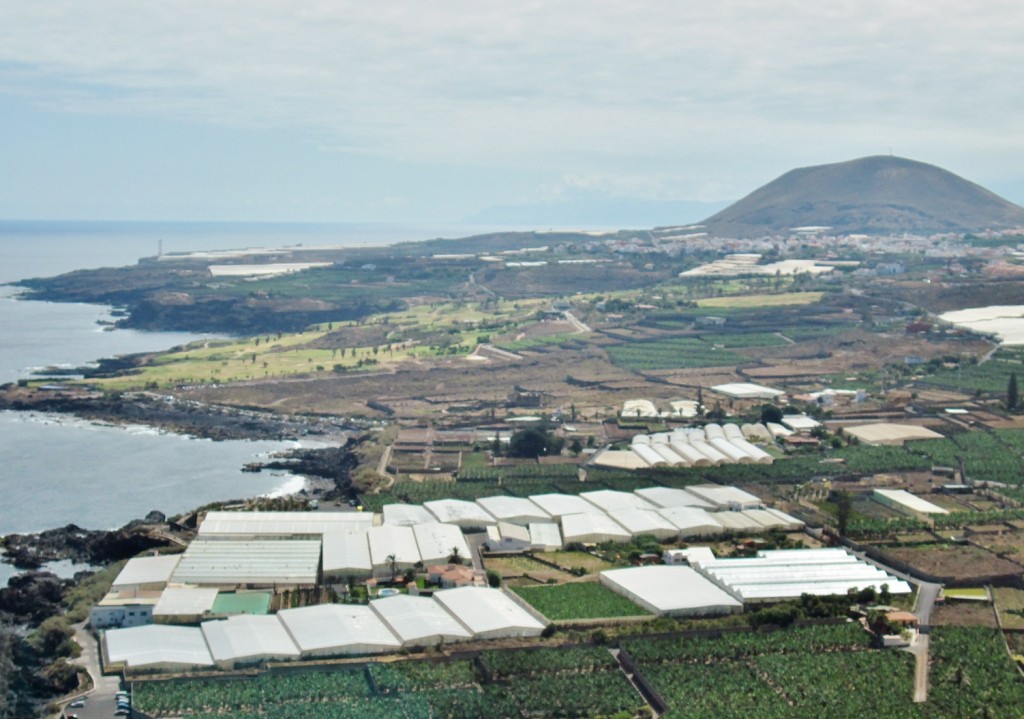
100 702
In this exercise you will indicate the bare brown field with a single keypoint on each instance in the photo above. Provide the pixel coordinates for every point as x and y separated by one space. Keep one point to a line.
963 563
964 614
1010 544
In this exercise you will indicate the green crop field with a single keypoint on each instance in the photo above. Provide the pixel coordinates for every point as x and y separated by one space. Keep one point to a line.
578 600
672 353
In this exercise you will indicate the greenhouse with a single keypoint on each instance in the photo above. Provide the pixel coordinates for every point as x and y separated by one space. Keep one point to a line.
786 574
592 528
230 563
346 554
438 542
692 521
489 613
544 536
605 500
506 537
247 639
738 522
146 574
460 512
513 509
281 524
726 497
338 629
156 647
671 497
559 505
184 604
674 591
644 521
406 515
393 549
419 621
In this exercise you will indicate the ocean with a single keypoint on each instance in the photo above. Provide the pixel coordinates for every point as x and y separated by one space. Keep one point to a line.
58 470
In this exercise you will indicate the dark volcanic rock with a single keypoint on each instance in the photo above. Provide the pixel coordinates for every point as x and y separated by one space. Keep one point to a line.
878 195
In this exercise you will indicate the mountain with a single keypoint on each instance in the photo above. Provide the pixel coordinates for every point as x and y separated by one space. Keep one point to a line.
878 195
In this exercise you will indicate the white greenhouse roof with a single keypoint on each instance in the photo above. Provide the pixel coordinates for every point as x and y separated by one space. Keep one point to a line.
592 528
746 390
436 542
236 562
692 521
254 524
513 509
670 590
738 522
489 613
249 638
644 521
606 500
619 459
389 540
671 497
185 600
558 505
725 496
800 422
338 629
460 512
147 570
545 535
419 620
406 514
783 574
346 553
157 645
910 501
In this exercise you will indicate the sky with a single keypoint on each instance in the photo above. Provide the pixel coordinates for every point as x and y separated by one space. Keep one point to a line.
577 111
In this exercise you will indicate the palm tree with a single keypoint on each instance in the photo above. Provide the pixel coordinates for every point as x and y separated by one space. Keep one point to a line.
392 561
455 557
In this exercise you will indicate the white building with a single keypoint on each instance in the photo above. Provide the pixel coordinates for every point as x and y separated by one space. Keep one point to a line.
507 537
674 591
346 555
338 629
393 549
489 613
514 510
246 639
419 621
438 542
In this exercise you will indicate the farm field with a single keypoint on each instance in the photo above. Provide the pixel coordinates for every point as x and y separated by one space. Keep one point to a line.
572 560
567 682
578 600
1010 603
960 562
773 300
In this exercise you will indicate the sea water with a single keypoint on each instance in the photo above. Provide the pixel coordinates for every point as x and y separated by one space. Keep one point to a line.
56 470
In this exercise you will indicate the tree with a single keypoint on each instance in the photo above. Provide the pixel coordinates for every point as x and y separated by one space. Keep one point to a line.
392 565
534 442
844 508
771 413
576 447
455 557
1012 393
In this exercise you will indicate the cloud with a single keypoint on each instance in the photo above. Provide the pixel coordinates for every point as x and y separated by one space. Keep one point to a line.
708 96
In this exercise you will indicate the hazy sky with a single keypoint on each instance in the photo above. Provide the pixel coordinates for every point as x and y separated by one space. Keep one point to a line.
433 111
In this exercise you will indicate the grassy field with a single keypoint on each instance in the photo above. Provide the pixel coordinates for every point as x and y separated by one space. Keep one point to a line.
578 600
767 300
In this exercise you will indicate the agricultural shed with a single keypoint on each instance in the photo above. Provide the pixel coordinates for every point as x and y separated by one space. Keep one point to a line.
544 536
639 408
281 524
506 537
145 574
392 549
766 519
559 505
726 497
746 390
800 422
732 432
346 554
489 613
787 574
671 497
789 522
516 510
733 454
686 408
419 621
689 555
184 604
644 521
668 590
889 433
231 563
690 454
647 454
753 451
335 629
460 512
248 639
777 430
406 515
156 647
438 542
605 500
619 459
692 521
904 501
592 528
